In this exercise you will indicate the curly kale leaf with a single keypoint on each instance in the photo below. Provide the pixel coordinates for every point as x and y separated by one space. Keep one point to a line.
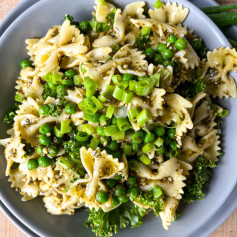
10 115
49 92
153 198
191 89
106 223
201 175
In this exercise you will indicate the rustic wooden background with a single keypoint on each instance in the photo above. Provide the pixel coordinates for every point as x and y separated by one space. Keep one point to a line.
7 229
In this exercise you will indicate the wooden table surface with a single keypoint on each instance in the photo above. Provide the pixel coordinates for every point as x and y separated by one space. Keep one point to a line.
7 229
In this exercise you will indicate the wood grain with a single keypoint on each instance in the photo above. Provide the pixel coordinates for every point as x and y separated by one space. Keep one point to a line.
7 229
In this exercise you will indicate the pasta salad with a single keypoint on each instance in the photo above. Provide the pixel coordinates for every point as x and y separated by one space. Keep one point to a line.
118 114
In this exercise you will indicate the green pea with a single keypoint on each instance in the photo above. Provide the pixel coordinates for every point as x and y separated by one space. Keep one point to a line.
84 27
68 82
70 108
149 137
53 151
160 131
32 164
171 39
44 140
115 201
113 146
149 52
171 133
61 91
100 131
40 150
52 85
45 128
26 63
161 47
44 110
103 120
138 137
70 73
120 190
131 181
123 198
128 77
44 161
173 145
180 44
167 54
157 59
110 183
133 192
102 196
167 63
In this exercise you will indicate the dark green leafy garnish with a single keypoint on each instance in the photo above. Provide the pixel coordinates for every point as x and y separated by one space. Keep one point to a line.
10 115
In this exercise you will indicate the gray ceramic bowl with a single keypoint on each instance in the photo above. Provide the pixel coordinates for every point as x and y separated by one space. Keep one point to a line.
34 23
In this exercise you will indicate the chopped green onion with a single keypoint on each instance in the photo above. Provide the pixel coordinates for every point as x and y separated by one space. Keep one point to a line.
48 76
144 159
102 98
65 126
90 86
143 117
109 90
157 191
56 78
127 150
158 4
82 68
92 118
127 97
118 136
132 85
143 87
156 79
82 136
128 77
116 79
94 142
18 98
148 147
159 142
223 113
97 102
123 124
118 93
87 128
110 111
132 113
111 130
88 106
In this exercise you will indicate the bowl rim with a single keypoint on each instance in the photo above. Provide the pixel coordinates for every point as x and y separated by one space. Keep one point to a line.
219 34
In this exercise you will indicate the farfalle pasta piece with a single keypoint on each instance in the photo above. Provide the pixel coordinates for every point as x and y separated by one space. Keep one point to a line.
168 214
169 13
102 10
135 10
219 83
169 177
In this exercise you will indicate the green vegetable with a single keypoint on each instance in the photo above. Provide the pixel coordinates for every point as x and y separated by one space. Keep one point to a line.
157 59
44 140
28 148
70 108
160 131
10 115
90 86
180 44
84 27
133 164
113 146
143 87
115 201
200 176
149 137
171 39
111 130
53 151
77 80
70 73
132 113
171 133
61 91
92 118
131 181
65 126
110 17
110 111
104 224
217 9
224 19
68 82
138 137
161 48
102 196
223 113
100 131
144 159
154 198
158 4
167 54
191 89
47 91
45 128
123 124
133 192
142 42
82 136
110 183
116 79
123 198
127 150
32 164
26 63
149 52
148 147
98 27
50 109
87 128
167 63
18 98
143 117
44 161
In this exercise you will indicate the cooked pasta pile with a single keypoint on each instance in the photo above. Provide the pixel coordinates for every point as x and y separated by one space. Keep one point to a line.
118 114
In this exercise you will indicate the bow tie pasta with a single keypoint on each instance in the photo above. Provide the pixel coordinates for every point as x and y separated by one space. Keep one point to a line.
118 114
